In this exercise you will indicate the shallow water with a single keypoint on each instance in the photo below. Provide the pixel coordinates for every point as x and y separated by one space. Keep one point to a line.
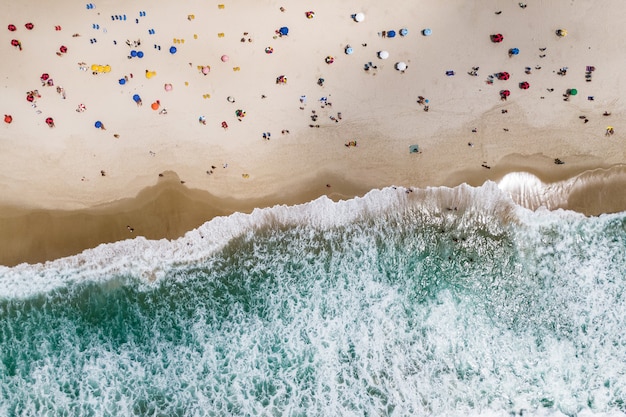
444 302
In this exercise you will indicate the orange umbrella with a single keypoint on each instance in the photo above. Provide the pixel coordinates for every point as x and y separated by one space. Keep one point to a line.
156 105
8 118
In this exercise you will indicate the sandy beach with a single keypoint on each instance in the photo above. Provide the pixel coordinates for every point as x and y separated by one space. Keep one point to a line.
232 138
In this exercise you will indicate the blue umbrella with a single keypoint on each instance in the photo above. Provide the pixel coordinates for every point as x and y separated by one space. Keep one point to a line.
133 53
513 51
427 32
98 124
391 34
349 50
122 81
139 54
172 50
284 30
404 32
136 98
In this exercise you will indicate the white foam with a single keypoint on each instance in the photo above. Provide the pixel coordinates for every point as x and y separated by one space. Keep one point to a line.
529 191
152 259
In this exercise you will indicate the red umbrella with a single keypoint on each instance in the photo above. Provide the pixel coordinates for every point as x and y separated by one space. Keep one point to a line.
505 93
12 28
524 85
30 98
8 118
63 49
503 76
29 26
45 76
15 42
50 121
497 38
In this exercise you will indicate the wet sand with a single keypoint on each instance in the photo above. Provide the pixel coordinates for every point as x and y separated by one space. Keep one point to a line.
169 209
166 210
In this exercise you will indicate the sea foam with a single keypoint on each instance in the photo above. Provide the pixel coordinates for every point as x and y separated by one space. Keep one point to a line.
152 258
443 302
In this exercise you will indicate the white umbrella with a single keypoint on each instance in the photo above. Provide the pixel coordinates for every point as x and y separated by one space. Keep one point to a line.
383 54
359 17
401 66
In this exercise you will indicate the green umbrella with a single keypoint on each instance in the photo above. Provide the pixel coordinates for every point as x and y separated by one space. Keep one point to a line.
573 91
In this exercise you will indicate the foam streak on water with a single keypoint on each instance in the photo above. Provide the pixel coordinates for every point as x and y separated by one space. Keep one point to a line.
445 302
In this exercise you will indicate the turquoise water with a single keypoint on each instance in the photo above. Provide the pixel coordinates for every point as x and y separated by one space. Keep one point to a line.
443 302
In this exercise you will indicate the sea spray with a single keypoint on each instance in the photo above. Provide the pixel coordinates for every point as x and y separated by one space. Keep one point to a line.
403 302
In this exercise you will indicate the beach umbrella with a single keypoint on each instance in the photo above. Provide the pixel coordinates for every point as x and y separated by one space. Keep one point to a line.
168 87
427 32
139 54
224 58
562 33
63 49
503 76
505 93
50 121
348 50
359 17
284 31
206 70
8 118
383 54
269 50
12 28
122 81
45 76
133 53
106 68
514 51
391 34
98 124
29 26
94 67
155 105
401 66
497 38
524 85
149 74
15 42
572 91
136 98
329 59
404 32
30 98
309 15
100 68
173 50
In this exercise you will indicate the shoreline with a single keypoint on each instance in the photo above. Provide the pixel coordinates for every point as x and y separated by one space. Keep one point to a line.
168 209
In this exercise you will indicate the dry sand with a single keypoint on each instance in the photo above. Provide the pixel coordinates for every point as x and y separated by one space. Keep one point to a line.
48 175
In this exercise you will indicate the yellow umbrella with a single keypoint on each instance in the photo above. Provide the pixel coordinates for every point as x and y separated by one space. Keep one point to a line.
107 68
561 32
100 68
94 67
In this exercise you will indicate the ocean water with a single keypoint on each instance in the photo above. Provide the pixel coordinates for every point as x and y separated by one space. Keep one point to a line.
435 302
